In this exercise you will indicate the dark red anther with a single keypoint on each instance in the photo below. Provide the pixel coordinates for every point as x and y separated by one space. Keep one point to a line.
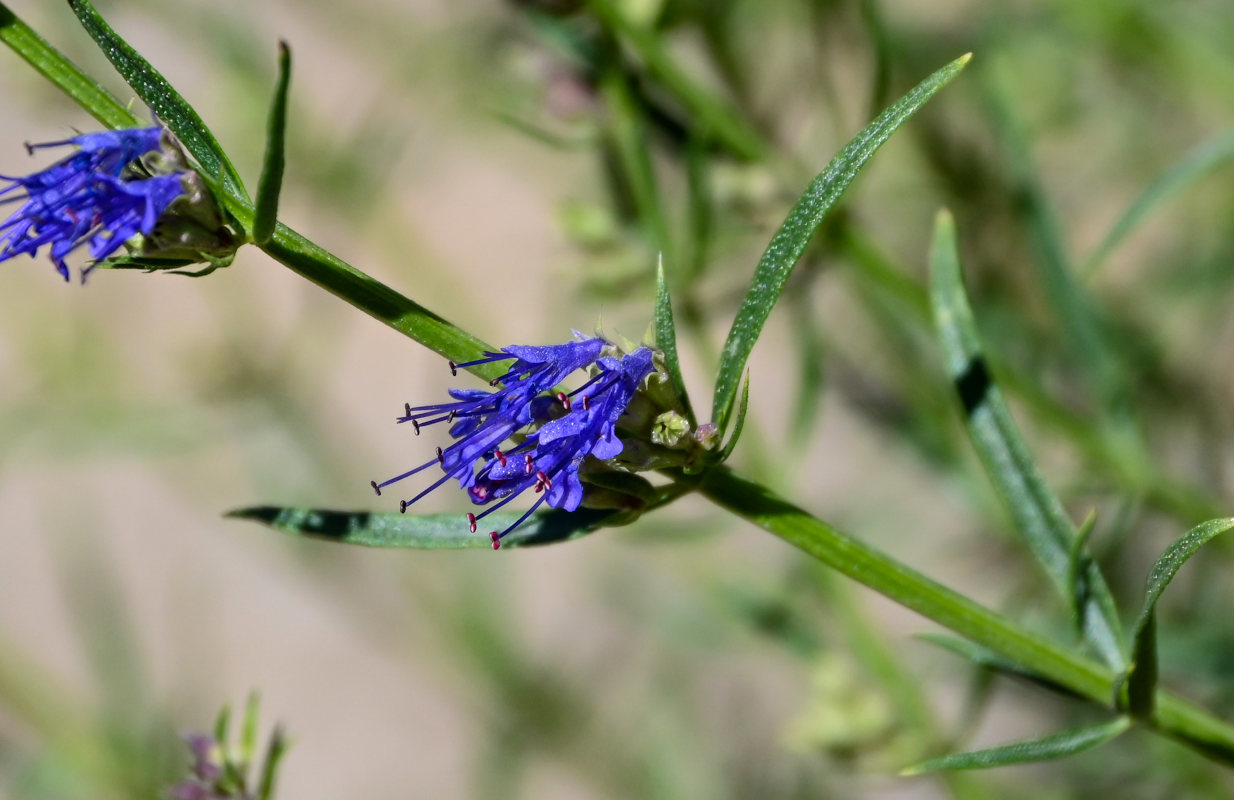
453 368
540 476
586 402
564 400
441 459
407 410
494 381
376 488
453 413
528 465
496 540
500 456
539 487
402 506
415 424
472 519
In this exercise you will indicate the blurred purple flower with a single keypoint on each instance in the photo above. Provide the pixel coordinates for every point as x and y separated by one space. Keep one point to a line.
554 433
101 195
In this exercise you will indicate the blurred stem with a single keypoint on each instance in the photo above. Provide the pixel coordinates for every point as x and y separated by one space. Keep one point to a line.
1173 717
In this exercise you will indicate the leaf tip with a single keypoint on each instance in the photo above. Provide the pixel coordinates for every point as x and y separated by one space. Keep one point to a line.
963 60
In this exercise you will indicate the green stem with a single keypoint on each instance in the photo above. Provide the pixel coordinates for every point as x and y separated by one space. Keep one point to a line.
1174 717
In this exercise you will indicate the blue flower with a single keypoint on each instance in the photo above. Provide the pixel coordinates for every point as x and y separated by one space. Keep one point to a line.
103 195
550 436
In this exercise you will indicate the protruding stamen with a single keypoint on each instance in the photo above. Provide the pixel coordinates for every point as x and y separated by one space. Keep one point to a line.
441 459
453 368
471 518
415 426
528 464
402 506
407 410
494 381
500 456
453 413
586 402
496 540
565 401
376 488
540 476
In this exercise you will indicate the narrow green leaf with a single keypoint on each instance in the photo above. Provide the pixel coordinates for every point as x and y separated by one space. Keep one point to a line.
740 423
248 730
1057 745
627 135
222 725
1073 307
153 88
988 659
1039 516
666 338
713 116
63 73
265 215
790 240
1195 165
269 768
1140 679
427 531
1078 561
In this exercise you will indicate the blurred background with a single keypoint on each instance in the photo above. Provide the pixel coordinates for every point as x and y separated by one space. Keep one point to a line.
516 167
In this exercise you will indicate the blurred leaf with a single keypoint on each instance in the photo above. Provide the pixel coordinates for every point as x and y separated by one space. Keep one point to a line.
1140 679
987 659
1057 745
1039 516
1195 165
1070 303
265 215
794 234
666 339
63 73
427 531
167 103
714 117
269 768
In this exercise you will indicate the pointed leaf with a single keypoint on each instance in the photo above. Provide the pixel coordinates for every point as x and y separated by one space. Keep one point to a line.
666 339
740 423
1058 745
1195 165
167 103
1039 516
790 240
265 215
1140 679
63 73
427 531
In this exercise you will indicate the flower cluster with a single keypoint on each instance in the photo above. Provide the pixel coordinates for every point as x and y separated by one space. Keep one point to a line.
549 435
206 772
103 195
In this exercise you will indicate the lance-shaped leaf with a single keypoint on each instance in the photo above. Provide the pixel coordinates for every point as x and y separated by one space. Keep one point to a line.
666 338
1140 679
1195 165
1039 516
789 242
265 215
1057 745
167 103
427 531
63 73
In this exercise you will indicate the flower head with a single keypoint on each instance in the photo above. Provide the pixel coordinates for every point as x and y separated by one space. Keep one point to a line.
102 195
520 436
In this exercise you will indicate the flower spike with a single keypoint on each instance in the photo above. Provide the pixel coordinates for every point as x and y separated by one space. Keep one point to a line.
102 195
525 434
